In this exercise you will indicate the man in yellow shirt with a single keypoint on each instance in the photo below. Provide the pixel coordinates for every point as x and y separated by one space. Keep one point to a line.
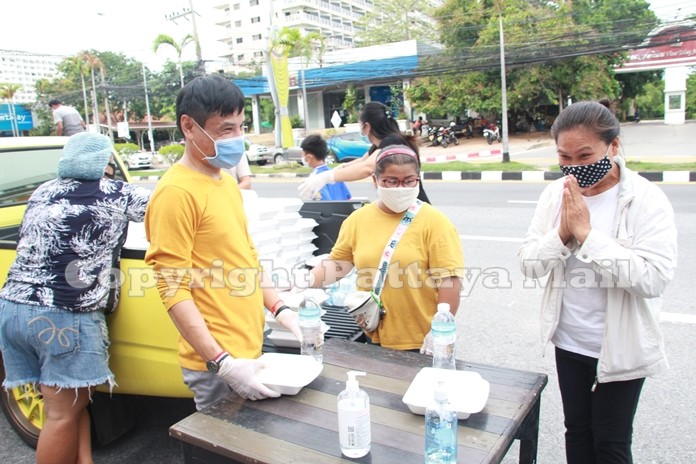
209 276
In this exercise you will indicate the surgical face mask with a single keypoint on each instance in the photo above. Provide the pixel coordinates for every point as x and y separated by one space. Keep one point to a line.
228 152
397 199
589 174
304 161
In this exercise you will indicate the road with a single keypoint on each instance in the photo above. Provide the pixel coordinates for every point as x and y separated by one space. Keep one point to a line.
498 324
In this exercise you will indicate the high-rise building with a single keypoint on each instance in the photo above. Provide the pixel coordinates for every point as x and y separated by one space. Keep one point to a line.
25 68
246 24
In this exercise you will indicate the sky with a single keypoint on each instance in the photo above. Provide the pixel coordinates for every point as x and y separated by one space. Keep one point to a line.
65 27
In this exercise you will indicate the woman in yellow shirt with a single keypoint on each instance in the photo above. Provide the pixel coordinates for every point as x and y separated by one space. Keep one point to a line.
425 267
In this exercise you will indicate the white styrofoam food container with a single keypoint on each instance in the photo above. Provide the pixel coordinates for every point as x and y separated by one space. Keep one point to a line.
285 338
288 373
467 391
275 325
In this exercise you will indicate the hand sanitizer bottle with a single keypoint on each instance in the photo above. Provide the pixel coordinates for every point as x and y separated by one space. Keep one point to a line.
354 433
440 429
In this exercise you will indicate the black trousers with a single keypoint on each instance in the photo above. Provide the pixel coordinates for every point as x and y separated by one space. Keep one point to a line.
599 424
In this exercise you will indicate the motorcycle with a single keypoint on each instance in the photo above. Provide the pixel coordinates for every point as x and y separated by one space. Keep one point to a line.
436 136
448 136
491 133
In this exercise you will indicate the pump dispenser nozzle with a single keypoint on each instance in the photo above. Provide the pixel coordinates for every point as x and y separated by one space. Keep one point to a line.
352 383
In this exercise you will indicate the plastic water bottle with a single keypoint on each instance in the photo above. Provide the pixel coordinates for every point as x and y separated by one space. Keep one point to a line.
444 333
309 316
440 429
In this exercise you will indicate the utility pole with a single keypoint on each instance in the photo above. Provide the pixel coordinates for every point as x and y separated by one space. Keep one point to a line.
106 104
185 14
149 116
503 92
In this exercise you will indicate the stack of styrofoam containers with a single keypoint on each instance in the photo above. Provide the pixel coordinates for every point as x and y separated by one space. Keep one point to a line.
282 237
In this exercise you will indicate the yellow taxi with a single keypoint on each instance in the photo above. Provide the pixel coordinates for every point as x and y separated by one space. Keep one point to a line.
143 350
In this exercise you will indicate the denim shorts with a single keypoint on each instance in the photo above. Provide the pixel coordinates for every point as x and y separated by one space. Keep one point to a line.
49 346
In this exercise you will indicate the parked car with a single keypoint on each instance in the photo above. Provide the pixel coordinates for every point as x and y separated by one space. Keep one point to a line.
255 153
289 154
347 147
143 349
138 160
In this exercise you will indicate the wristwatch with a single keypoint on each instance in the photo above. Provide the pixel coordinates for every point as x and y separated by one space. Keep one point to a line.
213 365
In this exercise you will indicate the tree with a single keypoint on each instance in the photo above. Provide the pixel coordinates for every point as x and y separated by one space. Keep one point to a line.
554 50
7 92
691 96
397 20
164 39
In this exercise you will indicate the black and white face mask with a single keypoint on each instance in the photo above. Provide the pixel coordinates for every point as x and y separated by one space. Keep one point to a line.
589 174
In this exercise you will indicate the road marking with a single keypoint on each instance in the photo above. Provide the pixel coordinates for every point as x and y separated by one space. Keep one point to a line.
491 239
530 202
678 318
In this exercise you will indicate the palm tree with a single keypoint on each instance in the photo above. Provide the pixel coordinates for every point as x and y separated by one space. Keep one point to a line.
179 47
92 61
305 47
8 91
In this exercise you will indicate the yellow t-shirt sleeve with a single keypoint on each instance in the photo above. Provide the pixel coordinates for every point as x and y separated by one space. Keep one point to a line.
445 254
170 232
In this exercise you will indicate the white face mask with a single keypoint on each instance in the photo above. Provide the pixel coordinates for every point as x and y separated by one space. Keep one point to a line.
397 199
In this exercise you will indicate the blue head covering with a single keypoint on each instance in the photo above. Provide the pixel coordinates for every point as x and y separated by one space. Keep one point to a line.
85 156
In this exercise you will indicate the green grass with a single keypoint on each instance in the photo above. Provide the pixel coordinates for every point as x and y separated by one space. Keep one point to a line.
512 166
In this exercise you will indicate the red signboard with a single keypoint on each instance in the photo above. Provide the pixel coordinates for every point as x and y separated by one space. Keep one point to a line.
673 45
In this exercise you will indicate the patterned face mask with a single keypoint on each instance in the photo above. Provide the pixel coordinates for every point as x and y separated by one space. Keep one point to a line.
589 174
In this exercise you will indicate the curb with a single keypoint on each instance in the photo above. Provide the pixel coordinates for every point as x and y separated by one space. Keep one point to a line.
489 176
460 156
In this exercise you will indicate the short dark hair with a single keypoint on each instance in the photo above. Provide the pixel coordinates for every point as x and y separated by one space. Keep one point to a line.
205 96
591 115
55 101
315 145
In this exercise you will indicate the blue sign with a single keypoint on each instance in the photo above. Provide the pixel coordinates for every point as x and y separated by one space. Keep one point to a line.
24 119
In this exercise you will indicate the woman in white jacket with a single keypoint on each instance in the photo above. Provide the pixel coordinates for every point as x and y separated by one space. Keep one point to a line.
607 240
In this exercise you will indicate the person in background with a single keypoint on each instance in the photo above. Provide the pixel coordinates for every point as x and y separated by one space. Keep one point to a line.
241 173
418 126
424 269
607 241
52 308
376 123
67 119
209 276
314 155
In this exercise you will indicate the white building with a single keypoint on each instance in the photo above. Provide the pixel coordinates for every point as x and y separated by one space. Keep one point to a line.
245 24
25 68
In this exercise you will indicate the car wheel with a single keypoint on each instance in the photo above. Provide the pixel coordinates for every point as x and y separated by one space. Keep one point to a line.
278 158
330 159
261 162
24 408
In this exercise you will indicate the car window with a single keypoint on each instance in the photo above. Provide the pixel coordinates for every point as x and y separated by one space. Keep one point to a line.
354 136
23 170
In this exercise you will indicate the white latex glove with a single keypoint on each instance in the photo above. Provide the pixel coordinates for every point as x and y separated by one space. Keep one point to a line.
240 375
427 346
310 187
289 319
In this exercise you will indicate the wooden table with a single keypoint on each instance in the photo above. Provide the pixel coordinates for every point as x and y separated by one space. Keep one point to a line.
303 428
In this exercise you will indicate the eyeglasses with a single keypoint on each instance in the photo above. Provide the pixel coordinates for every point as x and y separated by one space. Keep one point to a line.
393 182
